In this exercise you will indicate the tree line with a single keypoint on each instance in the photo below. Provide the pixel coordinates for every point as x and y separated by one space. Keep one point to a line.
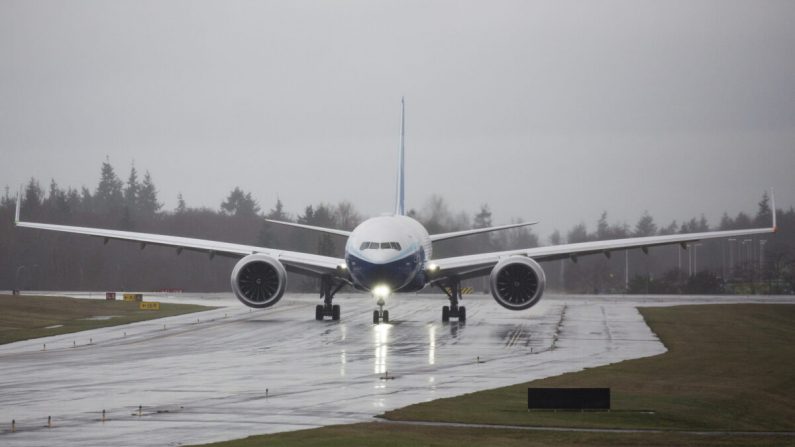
39 260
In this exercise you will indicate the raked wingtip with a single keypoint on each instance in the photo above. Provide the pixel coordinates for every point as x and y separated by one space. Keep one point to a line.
773 205
19 205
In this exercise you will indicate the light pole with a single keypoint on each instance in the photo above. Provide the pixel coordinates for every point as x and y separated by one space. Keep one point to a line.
748 251
731 257
695 258
626 269
34 279
16 277
762 243
679 260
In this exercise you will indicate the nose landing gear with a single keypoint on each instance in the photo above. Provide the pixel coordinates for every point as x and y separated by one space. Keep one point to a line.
380 315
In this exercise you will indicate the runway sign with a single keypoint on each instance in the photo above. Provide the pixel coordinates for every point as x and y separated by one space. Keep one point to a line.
133 297
568 398
147 305
110 296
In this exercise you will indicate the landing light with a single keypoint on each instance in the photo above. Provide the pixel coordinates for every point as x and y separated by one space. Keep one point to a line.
432 267
381 291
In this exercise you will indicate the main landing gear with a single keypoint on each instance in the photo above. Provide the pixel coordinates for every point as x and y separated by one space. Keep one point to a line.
453 292
327 291
380 315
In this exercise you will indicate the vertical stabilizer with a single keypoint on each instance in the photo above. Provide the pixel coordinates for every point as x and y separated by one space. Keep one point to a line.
399 194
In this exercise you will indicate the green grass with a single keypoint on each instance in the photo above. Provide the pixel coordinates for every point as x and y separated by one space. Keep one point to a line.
383 435
729 367
24 317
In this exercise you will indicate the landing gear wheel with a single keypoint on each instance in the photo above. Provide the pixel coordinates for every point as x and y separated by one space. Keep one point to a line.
335 312
385 317
462 314
319 312
445 314
376 317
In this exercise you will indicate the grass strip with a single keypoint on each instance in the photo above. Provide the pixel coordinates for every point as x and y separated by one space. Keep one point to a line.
728 367
25 317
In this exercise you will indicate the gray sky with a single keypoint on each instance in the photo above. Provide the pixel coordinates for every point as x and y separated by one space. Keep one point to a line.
545 110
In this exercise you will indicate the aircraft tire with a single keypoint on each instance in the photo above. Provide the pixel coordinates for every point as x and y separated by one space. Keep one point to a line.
445 314
376 317
385 317
335 312
462 314
319 312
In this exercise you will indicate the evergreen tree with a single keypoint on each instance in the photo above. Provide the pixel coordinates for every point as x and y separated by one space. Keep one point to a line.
108 197
726 222
324 216
132 191
7 201
240 204
742 221
672 228
86 200
309 216
482 218
147 197
32 198
181 207
277 212
485 242
56 200
703 225
578 234
266 237
764 215
602 228
645 226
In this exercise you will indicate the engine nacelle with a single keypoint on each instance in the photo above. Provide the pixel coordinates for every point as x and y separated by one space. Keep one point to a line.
517 283
259 280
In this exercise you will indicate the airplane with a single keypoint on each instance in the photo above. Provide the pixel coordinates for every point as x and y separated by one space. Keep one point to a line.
392 254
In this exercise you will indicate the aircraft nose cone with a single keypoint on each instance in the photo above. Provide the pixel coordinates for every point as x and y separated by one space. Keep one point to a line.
395 274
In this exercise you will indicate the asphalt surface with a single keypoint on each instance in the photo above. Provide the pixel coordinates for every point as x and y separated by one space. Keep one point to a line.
233 372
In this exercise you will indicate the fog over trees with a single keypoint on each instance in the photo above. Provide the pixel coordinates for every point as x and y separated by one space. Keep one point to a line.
40 260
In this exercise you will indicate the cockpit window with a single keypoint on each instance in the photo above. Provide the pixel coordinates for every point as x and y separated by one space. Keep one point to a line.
381 245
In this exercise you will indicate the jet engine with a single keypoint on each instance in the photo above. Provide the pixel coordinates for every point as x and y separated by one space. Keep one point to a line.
517 282
259 280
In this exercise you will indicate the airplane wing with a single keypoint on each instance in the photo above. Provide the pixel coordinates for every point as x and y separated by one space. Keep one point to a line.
471 266
311 227
454 234
305 263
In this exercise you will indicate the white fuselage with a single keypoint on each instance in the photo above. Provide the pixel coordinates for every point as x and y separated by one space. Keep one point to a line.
388 251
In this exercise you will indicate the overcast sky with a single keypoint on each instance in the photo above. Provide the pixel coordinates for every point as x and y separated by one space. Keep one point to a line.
544 110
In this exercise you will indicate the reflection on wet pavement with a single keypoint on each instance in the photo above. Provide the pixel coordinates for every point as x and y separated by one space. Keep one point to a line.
239 372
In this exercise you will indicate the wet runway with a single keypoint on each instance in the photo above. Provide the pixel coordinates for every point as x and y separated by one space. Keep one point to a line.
231 372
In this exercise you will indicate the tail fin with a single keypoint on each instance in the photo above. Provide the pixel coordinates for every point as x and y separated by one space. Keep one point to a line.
399 209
